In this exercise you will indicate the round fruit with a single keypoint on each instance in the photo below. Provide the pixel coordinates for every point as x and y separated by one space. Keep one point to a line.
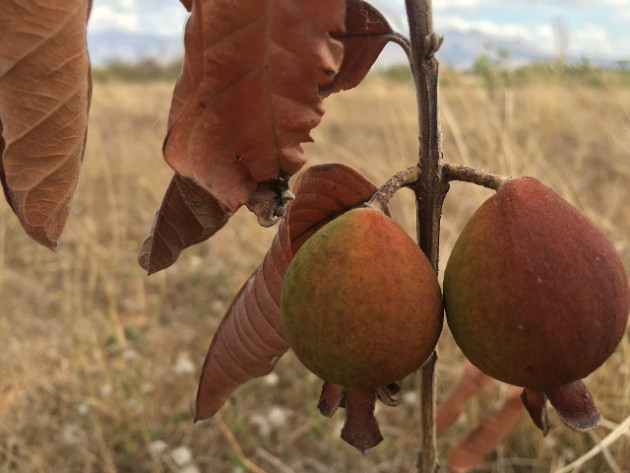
535 295
361 305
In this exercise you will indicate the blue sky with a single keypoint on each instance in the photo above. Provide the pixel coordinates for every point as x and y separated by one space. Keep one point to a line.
596 28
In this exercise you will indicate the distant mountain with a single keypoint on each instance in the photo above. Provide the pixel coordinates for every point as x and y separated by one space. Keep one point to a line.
460 49
110 44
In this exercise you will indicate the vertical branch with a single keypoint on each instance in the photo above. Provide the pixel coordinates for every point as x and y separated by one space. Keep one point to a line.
430 190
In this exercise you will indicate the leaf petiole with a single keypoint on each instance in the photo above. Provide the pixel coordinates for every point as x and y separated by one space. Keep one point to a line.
460 172
403 178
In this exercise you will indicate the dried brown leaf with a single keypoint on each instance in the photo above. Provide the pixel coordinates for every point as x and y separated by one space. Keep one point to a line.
470 383
188 215
487 435
249 338
367 32
45 89
247 97
325 191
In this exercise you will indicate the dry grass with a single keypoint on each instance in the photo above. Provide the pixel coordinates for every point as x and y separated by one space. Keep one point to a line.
99 361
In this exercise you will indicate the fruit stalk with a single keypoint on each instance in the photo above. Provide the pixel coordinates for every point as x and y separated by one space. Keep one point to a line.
460 172
406 177
430 189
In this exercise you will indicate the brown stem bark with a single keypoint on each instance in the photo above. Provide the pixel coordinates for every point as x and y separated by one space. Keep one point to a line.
430 191
460 172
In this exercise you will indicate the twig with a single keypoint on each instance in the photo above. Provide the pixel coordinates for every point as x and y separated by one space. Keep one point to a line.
238 451
278 465
614 468
460 172
383 195
430 189
607 441
402 41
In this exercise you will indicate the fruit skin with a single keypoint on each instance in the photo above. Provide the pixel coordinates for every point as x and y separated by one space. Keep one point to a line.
535 295
361 305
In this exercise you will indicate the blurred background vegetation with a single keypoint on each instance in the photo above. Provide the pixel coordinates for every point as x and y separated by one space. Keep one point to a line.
492 68
99 361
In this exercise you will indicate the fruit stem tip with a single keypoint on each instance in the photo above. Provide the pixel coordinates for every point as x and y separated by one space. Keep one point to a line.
461 172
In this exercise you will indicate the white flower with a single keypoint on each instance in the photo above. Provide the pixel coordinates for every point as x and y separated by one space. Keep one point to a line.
271 379
83 408
106 390
410 398
184 364
181 455
129 354
72 434
190 469
156 447
264 428
195 262
135 405
277 416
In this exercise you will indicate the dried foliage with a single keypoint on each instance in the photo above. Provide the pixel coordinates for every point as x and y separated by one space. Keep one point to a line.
471 382
239 111
490 432
469 453
45 90
250 338
251 90
188 215
366 34
93 346
211 157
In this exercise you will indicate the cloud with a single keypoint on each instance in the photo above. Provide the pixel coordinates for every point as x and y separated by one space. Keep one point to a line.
458 4
591 40
161 17
118 14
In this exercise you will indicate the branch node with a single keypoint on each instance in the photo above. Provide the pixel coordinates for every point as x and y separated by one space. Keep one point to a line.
432 43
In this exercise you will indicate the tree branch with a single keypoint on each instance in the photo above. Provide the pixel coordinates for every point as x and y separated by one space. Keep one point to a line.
430 189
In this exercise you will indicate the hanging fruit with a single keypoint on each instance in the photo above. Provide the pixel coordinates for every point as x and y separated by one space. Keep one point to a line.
361 307
536 296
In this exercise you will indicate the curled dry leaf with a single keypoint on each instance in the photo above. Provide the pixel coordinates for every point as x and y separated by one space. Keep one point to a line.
45 91
249 338
247 97
189 214
472 381
366 34
490 432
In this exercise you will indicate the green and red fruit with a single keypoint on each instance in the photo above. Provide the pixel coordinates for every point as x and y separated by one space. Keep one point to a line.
361 306
535 295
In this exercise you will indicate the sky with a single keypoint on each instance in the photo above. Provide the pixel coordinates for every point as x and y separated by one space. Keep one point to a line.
594 28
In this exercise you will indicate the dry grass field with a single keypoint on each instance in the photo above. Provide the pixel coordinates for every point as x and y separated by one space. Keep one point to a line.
98 361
